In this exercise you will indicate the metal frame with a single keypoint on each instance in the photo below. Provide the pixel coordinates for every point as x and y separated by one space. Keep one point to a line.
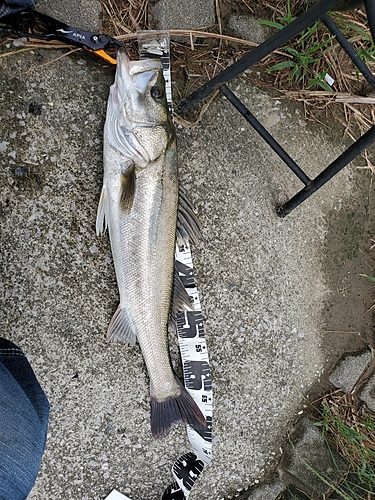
318 11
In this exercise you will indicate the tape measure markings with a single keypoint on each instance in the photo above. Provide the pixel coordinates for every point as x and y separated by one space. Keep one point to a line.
195 362
155 45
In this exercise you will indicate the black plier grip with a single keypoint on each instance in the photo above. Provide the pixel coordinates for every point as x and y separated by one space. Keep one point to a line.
30 23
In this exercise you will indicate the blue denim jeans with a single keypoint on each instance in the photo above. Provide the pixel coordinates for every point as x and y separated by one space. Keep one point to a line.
12 6
24 411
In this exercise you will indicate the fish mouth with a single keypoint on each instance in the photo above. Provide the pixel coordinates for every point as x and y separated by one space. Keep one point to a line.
128 72
132 68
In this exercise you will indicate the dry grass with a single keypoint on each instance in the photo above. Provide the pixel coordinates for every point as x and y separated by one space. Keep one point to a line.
125 17
349 428
194 61
206 53
203 54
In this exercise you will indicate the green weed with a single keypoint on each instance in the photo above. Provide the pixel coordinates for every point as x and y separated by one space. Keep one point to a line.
349 429
359 37
307 63
371 278
304 53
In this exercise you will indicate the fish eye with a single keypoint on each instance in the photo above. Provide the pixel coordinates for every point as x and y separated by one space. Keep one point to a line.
157 93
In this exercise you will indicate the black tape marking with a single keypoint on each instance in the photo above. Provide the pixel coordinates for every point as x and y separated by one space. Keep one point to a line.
196 375
190 324
208 432
186 274
187 469
173 492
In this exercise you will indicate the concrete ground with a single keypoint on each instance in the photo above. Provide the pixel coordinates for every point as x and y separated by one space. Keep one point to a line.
261 279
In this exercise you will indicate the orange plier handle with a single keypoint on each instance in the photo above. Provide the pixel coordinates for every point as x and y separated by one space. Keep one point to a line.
30 23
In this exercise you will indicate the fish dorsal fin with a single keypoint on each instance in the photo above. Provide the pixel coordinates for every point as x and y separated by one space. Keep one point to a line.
181 234
127 188
181 299
188 226
102 215
120 328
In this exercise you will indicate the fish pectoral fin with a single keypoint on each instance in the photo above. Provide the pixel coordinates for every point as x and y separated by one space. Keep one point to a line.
188 226
120 328
127 188
102 215
174 410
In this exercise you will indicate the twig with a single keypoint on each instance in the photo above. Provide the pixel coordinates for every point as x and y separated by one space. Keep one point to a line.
53 60
340 331
186 123
355 99
6 54
342 97
204 34
191 42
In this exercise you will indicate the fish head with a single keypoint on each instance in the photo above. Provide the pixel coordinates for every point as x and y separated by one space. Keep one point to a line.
138 120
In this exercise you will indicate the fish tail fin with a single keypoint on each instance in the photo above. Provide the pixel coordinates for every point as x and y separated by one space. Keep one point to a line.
174 410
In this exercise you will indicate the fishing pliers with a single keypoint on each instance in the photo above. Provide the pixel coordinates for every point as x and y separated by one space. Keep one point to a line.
29 23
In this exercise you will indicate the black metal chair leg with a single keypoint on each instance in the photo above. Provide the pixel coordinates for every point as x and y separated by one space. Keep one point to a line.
264 49
370 12
250 118
318 11
346 157
349 49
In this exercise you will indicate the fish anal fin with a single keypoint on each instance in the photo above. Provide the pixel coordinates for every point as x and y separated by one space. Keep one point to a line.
127 188
102 214
120 328
175 410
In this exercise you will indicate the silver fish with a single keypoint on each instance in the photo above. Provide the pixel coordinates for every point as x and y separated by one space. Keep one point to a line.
139 204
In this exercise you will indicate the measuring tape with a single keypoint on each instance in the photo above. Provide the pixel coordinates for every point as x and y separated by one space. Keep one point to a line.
155 45
190 328
197 379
